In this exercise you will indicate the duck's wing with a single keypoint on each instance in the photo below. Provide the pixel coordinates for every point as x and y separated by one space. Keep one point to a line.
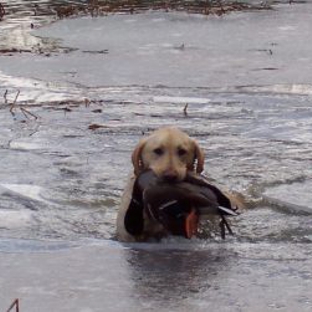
207 188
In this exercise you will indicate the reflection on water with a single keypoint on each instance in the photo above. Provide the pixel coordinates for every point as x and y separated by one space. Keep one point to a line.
219 277
166 278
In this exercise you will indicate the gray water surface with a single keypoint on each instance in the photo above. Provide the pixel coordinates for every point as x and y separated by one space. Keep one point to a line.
247 81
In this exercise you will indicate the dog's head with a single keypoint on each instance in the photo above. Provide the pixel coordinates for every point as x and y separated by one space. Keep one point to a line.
170 153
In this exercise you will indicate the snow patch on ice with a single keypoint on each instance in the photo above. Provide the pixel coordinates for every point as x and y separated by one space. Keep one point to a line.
25 190
14 219
180 99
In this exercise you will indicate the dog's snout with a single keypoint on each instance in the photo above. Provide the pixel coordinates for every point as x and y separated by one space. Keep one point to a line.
170 175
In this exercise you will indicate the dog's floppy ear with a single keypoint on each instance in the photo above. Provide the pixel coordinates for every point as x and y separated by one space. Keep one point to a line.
137 157
199 158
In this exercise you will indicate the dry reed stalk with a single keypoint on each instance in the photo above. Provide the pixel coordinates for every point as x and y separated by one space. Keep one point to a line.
15 304
5 96
185 110
14 102
25 112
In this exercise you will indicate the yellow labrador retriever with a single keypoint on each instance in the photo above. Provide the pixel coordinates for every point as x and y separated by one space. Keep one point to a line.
170 153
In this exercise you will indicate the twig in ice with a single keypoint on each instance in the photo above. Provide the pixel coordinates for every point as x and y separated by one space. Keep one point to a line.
15 304
25 112
185 110
14 102
5 96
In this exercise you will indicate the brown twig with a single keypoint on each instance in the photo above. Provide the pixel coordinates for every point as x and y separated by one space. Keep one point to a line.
14 102
25 112
5 96
87 102
16 97
15 304
185 110
96 126
13 106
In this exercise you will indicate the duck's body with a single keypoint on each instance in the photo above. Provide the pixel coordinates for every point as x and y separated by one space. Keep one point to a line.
157 208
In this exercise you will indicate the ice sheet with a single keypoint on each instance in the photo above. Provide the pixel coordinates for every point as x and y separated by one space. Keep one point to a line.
294 196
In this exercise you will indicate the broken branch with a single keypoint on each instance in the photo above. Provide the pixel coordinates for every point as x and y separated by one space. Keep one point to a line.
15 304
25 112
185 110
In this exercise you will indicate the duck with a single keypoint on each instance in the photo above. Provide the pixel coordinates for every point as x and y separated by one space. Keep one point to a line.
160 208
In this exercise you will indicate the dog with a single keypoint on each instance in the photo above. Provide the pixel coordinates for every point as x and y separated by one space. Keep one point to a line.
170 153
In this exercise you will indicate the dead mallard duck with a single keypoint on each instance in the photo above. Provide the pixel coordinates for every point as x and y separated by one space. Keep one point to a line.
176 206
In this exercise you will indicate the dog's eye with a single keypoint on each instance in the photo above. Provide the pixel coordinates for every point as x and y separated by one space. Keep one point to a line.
182 152
158 151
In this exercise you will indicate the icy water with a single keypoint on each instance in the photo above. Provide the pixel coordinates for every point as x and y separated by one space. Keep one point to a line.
247 81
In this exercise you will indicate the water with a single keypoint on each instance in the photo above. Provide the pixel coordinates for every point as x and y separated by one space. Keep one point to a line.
60 182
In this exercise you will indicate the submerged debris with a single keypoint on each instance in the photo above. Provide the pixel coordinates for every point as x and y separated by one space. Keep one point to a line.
206 7
14 50
14 106
96 126
105 51
2 11
104 7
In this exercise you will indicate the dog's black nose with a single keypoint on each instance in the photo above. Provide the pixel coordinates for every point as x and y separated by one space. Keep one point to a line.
170 176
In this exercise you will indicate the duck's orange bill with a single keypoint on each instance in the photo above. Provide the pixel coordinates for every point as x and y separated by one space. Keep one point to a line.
191 224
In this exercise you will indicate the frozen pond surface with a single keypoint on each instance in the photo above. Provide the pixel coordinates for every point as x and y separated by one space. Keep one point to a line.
295 194
106 276
247 80
176 50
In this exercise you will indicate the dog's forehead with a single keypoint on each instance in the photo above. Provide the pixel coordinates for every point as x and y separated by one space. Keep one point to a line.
169 136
